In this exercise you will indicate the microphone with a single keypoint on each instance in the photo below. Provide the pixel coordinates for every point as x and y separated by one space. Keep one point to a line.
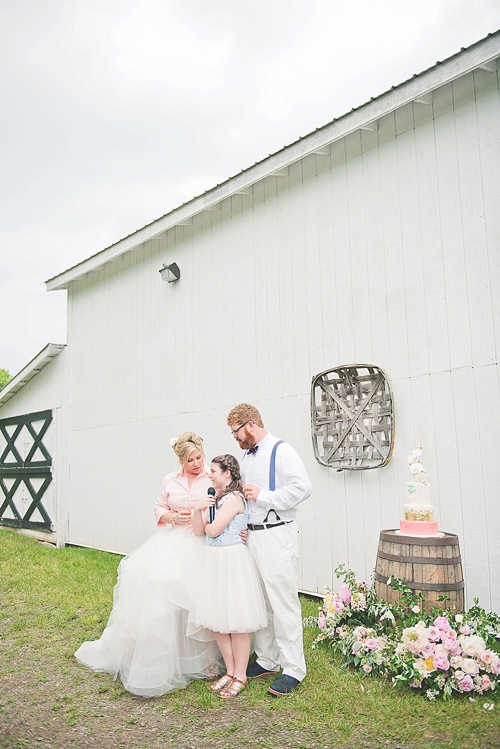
211 509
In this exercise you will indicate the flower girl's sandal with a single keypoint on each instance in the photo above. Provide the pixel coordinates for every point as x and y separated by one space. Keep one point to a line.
233 689
224 681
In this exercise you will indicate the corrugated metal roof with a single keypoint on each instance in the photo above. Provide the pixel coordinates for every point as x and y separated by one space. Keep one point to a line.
481 52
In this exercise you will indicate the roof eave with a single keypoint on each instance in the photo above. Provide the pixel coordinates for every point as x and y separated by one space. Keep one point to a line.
49 352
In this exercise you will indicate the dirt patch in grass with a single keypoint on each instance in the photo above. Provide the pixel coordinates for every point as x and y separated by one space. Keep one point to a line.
90 710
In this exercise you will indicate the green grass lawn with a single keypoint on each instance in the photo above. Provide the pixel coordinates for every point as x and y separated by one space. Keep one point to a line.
54 599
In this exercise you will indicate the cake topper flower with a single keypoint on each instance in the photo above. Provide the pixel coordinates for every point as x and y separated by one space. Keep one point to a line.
417 470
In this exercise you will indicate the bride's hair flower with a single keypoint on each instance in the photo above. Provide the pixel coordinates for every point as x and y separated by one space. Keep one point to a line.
173 441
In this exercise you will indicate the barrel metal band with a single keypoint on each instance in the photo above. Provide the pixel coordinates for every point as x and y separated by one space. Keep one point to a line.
425 586
419 560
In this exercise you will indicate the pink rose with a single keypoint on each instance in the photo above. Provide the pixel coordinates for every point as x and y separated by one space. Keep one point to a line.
465 629
486 682
359 632
452 646
321 620
366 668
487 657
442 662
434 634
427 650
495 666
338 606
466 684
372 644
345 595
442 623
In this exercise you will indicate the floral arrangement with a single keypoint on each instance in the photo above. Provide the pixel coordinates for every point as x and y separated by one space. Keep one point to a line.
442 653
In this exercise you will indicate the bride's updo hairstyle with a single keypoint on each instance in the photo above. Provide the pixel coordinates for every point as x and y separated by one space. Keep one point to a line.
229 463
184 445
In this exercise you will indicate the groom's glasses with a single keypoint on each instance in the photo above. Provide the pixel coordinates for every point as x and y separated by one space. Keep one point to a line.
241 427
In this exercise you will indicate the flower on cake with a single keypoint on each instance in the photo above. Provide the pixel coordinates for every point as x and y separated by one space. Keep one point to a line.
416 467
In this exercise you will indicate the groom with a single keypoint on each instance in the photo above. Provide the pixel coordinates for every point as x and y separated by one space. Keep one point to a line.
275 481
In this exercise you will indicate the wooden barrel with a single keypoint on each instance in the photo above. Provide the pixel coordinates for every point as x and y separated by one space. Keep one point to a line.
431 566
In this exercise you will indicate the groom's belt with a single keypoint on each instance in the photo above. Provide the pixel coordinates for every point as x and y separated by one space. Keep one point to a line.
264 526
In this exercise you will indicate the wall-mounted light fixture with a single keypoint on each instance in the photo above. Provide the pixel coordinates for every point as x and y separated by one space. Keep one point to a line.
170 273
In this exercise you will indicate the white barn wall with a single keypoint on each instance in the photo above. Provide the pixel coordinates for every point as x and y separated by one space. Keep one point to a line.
385 252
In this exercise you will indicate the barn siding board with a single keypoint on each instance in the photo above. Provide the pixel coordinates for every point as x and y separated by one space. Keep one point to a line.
487 389
445 481
473 542
452 243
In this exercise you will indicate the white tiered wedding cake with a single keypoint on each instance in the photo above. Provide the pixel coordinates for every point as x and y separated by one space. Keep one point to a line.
419 513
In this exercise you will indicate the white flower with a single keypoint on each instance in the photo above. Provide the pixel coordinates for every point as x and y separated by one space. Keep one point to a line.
414 640
416 453
173 441
470 666
416 609
472 645
459 618
488 705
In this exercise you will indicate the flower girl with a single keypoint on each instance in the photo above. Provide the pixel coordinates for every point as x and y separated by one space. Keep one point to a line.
228 599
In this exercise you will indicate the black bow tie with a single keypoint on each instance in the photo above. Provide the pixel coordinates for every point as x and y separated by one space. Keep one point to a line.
252 450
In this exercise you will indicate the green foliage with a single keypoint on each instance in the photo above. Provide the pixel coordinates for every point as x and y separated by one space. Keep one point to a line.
4 378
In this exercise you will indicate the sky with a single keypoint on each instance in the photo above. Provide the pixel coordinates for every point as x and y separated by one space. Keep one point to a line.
114 112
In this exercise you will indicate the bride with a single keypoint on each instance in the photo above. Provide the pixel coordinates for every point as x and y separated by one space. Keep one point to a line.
145 642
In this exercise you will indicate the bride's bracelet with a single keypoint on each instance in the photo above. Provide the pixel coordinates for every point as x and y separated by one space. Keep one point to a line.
173 519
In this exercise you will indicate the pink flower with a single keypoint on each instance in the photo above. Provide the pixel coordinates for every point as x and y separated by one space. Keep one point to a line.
427 650
464 629
321 620
359 633
434 634
366 668
495 666
452 646
442 623
340 632
487 657
372 644
441 662
338 606
466 684
486 682
345 595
